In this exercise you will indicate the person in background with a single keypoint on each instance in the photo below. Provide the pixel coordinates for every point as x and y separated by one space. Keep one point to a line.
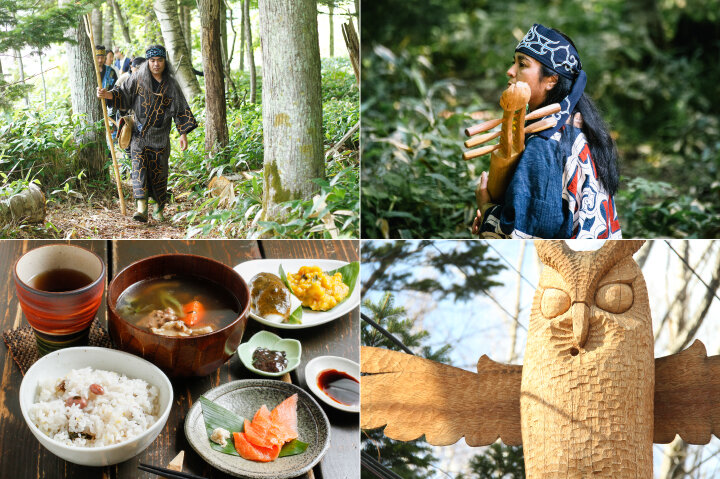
122 63
107 74
134 65
109 61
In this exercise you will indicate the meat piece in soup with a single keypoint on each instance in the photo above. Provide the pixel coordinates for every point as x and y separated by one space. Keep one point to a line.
178 306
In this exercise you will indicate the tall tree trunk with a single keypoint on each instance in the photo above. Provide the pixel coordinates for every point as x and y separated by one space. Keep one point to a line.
242 35
216 132
249 51
167 14
42 75
21 70
292 102
331 8
186 28
357 10
122 23
223 33
81 75
109 25
97 23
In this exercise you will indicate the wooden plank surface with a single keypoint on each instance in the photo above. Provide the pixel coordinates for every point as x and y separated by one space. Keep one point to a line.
24 457
337 338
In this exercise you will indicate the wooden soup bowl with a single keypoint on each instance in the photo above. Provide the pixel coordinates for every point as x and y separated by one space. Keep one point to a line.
179 356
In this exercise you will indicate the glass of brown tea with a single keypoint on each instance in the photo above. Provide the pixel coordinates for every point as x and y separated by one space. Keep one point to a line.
60 287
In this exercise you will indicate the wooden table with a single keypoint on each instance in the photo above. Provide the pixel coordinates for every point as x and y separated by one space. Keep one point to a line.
22 456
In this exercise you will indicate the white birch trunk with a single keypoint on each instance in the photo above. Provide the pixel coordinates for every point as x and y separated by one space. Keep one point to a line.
109 26
167 14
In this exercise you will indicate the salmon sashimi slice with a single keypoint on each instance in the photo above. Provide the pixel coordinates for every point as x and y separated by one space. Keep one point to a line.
259 430
284 420
251 452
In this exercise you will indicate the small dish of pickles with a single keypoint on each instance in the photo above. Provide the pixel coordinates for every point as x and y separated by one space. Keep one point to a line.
300 293
270 355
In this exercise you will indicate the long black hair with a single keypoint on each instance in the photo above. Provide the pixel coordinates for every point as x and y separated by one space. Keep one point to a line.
145 75
602 146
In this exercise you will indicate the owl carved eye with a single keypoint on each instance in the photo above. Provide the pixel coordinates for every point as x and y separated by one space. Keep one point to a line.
554 302
614 298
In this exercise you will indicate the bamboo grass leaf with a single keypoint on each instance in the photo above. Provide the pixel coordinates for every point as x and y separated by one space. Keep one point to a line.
217 416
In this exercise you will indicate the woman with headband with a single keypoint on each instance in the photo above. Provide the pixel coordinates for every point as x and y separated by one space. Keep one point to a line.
565 180
156 99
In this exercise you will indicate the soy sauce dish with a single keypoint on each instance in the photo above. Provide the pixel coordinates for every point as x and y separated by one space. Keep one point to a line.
335 381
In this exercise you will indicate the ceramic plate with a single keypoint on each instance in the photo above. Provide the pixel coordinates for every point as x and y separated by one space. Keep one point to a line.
310 318
322 363
266 339
244 398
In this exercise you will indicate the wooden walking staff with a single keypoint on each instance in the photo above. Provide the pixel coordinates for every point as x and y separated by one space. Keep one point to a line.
88 29
505 154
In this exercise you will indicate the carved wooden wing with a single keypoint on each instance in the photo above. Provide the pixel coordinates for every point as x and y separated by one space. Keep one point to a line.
687 396
415 396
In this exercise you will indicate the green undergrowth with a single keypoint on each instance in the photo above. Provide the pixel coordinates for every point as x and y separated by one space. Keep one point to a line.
37 144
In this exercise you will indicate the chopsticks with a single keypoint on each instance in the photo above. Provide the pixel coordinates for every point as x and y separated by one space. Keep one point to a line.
169 473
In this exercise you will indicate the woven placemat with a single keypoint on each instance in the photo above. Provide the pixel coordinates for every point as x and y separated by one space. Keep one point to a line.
22 346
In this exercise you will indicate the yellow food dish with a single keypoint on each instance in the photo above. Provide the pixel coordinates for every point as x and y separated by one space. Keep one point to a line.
316 289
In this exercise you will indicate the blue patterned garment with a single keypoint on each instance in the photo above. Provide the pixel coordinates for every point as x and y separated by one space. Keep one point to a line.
554 195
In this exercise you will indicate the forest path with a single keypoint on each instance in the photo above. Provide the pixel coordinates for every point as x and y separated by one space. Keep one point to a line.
97 221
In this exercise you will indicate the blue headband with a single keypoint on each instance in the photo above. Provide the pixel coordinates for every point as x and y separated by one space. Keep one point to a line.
555 52
155 52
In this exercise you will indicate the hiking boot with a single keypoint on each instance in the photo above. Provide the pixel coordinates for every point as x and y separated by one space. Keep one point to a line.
141 213
140 216
158 213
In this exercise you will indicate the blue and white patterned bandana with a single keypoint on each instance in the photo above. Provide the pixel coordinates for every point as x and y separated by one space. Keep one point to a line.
555 52
158 51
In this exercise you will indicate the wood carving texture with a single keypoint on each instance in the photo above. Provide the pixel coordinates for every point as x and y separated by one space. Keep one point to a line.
587 389
592 399
687 396
415 396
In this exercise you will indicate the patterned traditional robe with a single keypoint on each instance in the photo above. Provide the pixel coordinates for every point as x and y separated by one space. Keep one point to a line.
150 144
552 195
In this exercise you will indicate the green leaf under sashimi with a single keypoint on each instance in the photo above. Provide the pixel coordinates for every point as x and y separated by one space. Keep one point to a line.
217 416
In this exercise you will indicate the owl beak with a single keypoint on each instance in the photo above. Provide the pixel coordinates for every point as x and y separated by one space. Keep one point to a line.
581 323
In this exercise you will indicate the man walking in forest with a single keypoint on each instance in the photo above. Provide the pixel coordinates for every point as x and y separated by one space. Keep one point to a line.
156 99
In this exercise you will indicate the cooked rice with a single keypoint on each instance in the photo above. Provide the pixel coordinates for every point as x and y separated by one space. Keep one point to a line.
127 408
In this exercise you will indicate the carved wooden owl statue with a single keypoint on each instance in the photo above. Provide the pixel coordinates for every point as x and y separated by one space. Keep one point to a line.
587 383
590 399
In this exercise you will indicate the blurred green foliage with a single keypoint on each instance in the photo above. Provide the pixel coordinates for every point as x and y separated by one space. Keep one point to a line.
652 70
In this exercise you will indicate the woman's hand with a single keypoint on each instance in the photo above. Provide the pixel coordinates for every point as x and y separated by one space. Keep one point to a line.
482 197
103 93
183 142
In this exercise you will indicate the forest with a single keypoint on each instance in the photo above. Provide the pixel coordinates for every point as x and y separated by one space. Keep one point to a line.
241 65
432 65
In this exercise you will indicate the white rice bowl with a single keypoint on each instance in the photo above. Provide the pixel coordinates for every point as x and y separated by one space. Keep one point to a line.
124 420
127 408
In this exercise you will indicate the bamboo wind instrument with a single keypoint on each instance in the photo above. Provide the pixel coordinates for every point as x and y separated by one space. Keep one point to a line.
506 153
88 30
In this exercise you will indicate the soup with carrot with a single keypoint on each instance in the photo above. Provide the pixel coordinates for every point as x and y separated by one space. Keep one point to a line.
178 305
